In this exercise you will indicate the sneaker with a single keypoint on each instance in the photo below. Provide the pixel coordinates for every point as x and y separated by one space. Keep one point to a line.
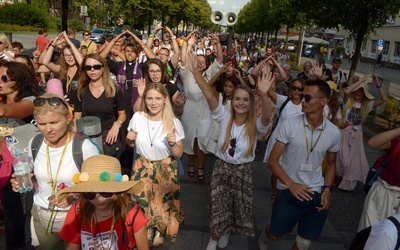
212 244
223 240
158 240
263 241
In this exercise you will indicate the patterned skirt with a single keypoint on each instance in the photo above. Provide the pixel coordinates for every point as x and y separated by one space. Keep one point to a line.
160 197
231 199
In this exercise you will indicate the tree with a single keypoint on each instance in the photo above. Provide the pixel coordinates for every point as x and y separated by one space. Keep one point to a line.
360 18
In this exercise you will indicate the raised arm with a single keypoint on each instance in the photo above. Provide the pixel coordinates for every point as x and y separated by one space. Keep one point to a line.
104 53
175 45
203 85
49 53
146 50
382 94
282 73
188 42
138 105
383 140
215 40
352 87
265 81
152 36
77 54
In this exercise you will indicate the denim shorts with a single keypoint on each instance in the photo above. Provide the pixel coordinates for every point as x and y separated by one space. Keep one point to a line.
288 211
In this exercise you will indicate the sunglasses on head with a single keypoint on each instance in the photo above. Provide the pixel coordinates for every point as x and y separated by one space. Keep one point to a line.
95 67
294 88
52 101
91 196
232 143
308 97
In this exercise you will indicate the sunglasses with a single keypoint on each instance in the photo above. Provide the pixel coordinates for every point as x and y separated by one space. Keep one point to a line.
95 67
308 97
86 34
232 143
52 101
294 88
5 78
91 196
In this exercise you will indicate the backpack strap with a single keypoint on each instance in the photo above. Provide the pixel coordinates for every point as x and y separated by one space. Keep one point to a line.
125 232
35 145
397 224
77 153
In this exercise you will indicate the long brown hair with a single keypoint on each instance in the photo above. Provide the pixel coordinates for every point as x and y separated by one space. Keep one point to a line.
110 87
122 204
62 74
250 123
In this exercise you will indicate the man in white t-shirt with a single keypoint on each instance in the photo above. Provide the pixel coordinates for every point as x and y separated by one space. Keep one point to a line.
304 193
338 76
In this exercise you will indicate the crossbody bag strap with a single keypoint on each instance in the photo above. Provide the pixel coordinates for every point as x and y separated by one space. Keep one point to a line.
397 224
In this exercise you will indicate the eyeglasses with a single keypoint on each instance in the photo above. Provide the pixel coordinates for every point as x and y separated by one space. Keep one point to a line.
5 78
68 55
155 72
232 143
294 88
308 97
95 67
86 34
91 196
52 101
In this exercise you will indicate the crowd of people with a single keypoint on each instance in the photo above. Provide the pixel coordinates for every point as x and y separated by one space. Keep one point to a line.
163 97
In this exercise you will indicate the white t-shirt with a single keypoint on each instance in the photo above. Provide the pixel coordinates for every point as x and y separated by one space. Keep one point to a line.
67 170
222 116
150 142
383 235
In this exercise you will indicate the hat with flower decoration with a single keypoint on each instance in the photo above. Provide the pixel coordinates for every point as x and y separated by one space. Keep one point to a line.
101 173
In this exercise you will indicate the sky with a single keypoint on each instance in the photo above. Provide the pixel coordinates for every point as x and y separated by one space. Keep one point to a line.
227 5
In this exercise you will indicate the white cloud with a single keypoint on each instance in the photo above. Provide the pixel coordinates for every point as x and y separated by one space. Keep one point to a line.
227 6
221 2
212 2
235 7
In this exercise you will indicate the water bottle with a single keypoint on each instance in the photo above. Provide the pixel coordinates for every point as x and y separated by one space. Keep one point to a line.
22 172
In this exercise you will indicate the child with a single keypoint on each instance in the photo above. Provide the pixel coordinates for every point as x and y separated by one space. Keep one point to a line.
104 217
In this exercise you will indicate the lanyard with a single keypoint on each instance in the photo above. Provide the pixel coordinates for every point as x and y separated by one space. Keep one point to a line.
95 221
312 146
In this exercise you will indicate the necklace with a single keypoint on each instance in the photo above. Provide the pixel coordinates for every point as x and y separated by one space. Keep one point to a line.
105 244
69 79
148 130
51 182
232 134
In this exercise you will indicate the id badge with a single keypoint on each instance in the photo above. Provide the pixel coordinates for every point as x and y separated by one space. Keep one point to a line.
306 167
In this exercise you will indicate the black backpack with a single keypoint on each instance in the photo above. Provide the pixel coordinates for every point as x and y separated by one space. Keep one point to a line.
361 237
76 147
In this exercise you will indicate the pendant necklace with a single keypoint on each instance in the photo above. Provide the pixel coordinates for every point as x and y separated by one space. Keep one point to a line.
148 129
104 243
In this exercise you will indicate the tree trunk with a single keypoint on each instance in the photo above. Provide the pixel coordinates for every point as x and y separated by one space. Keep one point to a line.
360 37
132 18
64 17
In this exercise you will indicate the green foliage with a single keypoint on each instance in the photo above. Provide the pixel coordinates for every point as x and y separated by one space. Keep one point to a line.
392 109
24 15
339 51
14 27
293 62
75 24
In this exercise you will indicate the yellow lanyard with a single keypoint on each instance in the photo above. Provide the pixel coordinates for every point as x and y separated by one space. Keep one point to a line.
312 146
53 184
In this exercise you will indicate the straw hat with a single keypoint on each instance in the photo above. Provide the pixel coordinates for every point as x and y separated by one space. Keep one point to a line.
364 85
101 173
332 85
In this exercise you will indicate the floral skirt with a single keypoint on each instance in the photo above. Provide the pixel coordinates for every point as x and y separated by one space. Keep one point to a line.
160 197
231 201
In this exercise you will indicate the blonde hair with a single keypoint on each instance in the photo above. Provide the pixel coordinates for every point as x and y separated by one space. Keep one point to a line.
110 87
64 110
4 39
250 123
364 110
167 111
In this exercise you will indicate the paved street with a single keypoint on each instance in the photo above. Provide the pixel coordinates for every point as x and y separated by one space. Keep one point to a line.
194 233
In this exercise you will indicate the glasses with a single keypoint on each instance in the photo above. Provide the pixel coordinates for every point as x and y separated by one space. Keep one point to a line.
52 101
69 55
95 67
294 88
91 196
155 72
232 143
86 34
308 97
5 78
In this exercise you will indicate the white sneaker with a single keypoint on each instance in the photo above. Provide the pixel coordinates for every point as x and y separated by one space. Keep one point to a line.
212 244
223 240
263 241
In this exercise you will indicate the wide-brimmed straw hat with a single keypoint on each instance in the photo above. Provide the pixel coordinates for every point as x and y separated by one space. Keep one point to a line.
364 85
101 173
332 85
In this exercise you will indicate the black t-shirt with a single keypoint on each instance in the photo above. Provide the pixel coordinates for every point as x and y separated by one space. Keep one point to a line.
171 88
104 108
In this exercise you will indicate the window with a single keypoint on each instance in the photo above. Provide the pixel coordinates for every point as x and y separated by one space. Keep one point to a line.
397 50
385 50
373 46
364 45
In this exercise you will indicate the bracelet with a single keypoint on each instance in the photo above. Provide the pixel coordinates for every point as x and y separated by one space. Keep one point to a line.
173 37
380 86
327 191
325 187
174 146
151 35
120 122
52 45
